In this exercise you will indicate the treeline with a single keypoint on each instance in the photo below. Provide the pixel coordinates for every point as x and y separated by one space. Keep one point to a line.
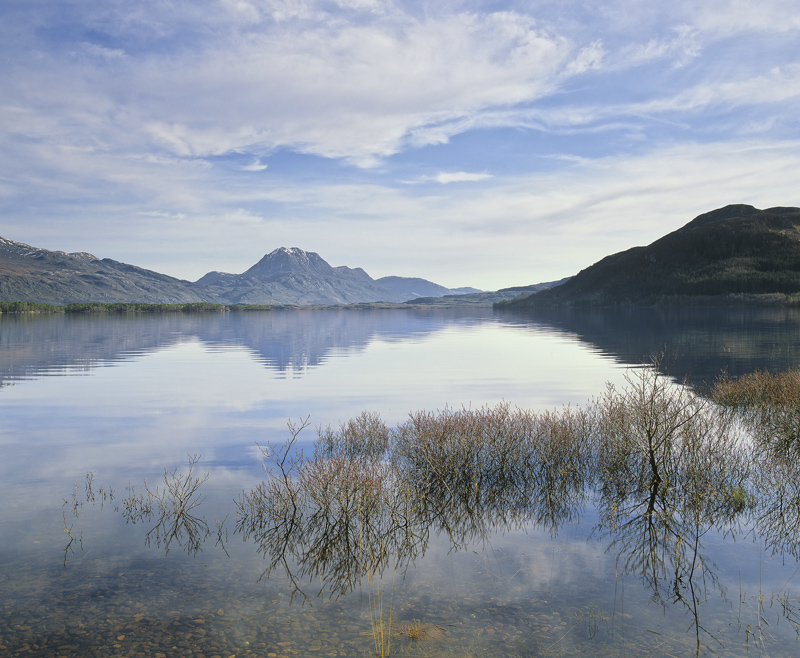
29 307
129 307
133 307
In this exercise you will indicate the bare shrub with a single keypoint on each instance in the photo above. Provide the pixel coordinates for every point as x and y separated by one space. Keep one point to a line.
337 516
474 470
561 465
670 468
172 507
364 437
640 427
663 465
778 510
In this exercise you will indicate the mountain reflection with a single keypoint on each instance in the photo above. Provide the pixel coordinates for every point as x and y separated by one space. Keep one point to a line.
663 467
286 341
706 341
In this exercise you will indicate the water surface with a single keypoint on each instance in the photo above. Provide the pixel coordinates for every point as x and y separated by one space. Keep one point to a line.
125 397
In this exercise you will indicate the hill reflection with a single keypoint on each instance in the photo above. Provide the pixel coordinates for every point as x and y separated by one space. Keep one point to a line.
705 341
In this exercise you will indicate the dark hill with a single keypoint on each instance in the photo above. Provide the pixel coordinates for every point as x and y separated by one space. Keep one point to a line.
723 256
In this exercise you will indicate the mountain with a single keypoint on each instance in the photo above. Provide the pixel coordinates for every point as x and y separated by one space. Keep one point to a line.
730 255
414 287
284 276
294 276
483 298
55 277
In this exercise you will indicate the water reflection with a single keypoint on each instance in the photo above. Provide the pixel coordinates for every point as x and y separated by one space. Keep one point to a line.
706 341
287 341
662 468
491 535
170 510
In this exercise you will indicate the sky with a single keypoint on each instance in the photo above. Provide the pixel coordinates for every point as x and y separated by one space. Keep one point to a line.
471 143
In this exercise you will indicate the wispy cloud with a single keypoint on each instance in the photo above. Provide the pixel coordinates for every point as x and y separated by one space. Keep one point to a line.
736 16
459 177
351 90
101 52
293 75
255 166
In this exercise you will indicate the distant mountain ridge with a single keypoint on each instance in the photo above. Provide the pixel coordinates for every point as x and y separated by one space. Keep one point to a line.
294 276
735 254
284 276
415 287
485 298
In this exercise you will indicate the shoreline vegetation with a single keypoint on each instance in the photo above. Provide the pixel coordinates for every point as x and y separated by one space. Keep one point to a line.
192 307
664 466
117 308
130 307
729 300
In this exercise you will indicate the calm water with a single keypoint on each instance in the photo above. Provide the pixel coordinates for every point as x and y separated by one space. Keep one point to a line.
124 398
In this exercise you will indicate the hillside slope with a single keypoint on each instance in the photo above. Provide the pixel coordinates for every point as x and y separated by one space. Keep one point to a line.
727 255
55 277
483 298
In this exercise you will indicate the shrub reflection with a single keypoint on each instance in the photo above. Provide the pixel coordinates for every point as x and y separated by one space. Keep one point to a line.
663 467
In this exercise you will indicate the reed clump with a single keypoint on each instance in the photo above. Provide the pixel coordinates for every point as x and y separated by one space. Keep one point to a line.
768 404
380 610
415 630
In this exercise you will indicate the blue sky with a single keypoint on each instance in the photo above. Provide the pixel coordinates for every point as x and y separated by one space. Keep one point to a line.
475 143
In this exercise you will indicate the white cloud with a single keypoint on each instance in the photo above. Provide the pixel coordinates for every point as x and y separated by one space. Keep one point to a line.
355 90
733 16
779 87
682 45
587 59
255 166
161 213
242 216
779 84
359 83
460 177
104 53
